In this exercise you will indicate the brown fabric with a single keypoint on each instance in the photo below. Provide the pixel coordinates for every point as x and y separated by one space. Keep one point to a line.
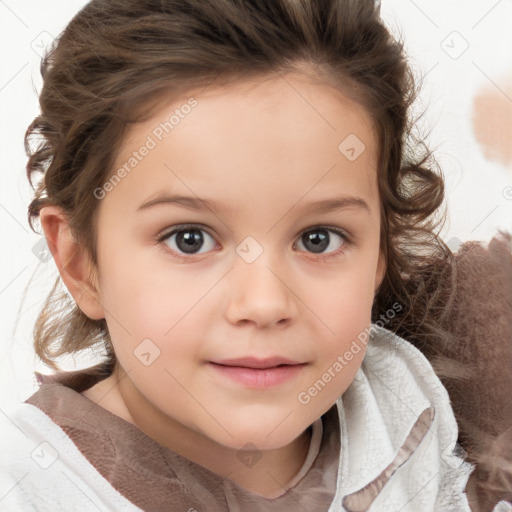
155 478
474 362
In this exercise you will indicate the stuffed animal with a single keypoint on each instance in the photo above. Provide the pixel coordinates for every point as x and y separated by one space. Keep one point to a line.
473 359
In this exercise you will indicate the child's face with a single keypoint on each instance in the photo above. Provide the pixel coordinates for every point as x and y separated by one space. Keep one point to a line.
251 285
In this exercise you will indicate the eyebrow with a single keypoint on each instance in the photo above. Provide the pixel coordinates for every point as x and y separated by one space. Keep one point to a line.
198 204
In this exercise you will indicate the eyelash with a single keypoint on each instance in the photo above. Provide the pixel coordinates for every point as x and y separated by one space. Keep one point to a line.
183 227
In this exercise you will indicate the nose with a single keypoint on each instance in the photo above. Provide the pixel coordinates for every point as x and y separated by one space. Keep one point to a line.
260 295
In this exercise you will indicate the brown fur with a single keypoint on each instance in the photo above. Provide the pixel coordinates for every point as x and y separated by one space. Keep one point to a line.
475 364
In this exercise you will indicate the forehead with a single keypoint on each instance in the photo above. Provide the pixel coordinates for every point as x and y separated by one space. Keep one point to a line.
255 135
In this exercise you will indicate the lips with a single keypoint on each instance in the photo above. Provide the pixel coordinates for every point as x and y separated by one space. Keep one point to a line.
254 362
253 372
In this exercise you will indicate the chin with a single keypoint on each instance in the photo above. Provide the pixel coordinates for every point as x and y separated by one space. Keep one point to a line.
260 435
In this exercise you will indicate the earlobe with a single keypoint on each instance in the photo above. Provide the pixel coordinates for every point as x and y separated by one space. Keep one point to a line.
72 261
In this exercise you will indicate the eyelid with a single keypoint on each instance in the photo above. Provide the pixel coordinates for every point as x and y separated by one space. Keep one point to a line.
340 231
181 227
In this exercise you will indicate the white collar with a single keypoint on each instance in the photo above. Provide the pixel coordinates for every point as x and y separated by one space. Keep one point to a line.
395 407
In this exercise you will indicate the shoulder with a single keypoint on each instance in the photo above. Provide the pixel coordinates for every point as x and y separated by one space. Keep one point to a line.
28 450
393 363
401 381
43 470
399 422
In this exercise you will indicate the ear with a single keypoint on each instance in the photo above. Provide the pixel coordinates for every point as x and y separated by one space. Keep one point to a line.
72 261
381 271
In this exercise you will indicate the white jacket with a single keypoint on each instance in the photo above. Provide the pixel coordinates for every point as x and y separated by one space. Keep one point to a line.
398 447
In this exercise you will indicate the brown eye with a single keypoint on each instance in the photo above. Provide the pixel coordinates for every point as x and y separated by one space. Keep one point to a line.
319 239
188 240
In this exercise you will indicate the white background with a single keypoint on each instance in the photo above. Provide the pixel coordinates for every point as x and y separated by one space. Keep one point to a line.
435 33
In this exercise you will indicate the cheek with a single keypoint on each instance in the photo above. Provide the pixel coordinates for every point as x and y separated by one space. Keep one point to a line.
155 316
143 295
345 313
347 300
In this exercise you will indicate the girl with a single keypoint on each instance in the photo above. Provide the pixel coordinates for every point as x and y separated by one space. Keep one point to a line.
261 369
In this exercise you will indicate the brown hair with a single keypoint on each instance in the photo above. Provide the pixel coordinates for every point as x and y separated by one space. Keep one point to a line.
116 56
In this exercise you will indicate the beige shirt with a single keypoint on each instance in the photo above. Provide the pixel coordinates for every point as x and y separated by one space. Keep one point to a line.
154 477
